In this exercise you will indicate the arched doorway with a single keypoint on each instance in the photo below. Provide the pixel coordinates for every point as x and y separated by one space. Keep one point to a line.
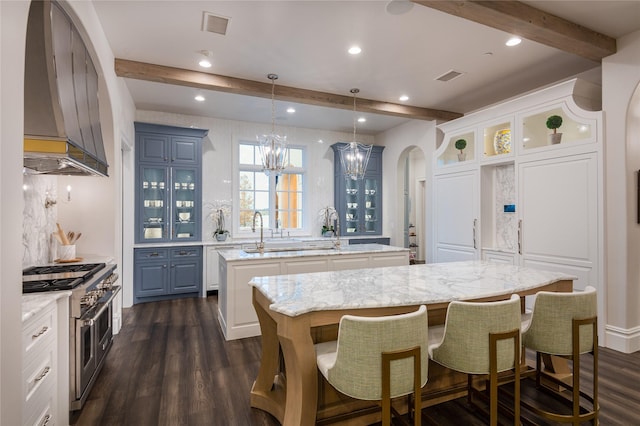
411 202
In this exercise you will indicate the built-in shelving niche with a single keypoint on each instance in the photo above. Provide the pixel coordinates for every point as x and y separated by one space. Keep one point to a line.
499 227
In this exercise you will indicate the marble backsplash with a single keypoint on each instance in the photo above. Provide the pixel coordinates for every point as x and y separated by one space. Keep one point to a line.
39 221
506 226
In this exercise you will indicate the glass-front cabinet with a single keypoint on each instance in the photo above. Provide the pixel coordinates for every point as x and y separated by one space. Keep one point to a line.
168 185
359 201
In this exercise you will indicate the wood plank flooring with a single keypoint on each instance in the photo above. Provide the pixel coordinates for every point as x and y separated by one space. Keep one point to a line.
170 365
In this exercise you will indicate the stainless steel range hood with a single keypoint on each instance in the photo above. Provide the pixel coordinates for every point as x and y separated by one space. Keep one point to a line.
61 114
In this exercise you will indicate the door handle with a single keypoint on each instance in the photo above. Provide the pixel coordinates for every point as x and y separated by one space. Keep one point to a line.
520 236
475 223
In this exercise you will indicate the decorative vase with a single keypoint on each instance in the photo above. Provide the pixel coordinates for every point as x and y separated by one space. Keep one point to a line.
462 156
502 141
554 138
221 237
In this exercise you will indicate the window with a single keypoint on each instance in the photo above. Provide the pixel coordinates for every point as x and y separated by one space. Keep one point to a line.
278 198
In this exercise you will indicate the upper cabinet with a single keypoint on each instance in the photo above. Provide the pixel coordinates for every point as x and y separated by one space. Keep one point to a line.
359 202
523 193
168 183
556 118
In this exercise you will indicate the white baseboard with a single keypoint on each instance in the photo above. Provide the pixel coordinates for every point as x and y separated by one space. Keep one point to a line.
622 339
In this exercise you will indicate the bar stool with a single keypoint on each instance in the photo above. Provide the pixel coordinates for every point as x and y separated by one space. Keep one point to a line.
379 358
565 324
476 342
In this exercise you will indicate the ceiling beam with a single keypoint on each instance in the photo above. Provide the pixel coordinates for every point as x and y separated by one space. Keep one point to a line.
220 83
533 24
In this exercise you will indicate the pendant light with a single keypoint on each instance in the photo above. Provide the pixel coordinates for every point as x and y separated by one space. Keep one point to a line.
354 156
273 147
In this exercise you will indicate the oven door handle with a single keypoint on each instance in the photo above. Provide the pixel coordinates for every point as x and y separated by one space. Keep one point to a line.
90 321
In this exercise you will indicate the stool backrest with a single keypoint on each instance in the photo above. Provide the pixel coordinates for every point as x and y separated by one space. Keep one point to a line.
361 341
551 321
465 343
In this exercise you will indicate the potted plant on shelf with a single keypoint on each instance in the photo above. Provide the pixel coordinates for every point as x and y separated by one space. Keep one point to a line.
328 215
553 123
460 145
220 232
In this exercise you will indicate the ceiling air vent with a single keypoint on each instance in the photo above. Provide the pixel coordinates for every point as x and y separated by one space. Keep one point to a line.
449 75
214 24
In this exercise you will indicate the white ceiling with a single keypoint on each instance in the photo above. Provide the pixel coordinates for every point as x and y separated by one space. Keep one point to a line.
306 42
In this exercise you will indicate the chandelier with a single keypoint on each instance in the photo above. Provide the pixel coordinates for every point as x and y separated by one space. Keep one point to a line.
273 147
354 156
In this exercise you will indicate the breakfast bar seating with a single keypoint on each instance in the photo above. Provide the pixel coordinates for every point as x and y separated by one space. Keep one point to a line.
297 311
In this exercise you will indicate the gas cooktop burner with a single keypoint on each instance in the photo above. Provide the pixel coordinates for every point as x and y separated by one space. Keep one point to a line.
50 285
92 268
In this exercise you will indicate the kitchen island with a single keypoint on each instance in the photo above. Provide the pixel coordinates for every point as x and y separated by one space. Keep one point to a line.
296 311
237 267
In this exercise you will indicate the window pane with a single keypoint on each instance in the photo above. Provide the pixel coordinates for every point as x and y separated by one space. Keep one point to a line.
262 200
262 181
295 157
246 180
246 155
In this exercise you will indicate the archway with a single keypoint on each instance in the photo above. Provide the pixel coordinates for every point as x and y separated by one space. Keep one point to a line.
411 202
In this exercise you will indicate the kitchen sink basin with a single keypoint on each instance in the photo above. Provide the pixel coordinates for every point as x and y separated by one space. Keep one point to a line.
285 249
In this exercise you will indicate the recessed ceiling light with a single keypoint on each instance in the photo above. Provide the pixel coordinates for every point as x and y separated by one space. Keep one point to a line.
361 120
199 98
291 110
404 98
513 41
354 50
205 61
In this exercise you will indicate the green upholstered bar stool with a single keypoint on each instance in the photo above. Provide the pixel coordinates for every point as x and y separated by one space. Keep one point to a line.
565 324
379 358
483 338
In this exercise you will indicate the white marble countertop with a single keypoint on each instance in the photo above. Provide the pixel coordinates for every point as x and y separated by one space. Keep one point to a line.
231 255
32 303
294 295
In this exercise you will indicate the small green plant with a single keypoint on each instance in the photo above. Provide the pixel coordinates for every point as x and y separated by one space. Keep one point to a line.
461 144
554 122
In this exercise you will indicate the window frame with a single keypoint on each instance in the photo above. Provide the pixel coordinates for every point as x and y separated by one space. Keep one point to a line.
257 168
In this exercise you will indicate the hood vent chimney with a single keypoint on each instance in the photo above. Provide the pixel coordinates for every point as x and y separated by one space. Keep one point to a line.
62 133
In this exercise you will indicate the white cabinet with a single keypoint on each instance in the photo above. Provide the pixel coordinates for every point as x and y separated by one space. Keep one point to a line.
210 273
455 216
45 370
559 215
534 202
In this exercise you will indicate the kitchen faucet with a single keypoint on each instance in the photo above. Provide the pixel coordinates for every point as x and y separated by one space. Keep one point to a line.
260 245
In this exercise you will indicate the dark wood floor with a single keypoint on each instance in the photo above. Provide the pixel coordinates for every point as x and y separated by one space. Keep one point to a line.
170 365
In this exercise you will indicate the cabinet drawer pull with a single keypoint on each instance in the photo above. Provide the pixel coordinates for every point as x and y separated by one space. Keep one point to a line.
44 372
183 253
46 419
40 333
154 254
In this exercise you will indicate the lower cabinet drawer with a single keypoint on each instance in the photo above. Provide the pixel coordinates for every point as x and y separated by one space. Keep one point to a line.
39 371
40 410
39 331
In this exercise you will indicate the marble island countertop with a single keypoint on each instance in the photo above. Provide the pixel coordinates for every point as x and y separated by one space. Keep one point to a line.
279 252
294 295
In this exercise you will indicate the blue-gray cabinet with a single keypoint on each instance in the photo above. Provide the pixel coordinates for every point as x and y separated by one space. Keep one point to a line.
167 273
168 183
359 202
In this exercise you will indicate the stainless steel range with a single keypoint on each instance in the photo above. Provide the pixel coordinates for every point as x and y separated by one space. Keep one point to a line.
93 289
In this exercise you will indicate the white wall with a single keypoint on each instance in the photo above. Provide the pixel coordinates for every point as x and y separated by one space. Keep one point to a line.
13 25
620 80
421 134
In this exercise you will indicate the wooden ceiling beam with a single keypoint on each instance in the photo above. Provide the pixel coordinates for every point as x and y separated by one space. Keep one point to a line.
220 83
533 24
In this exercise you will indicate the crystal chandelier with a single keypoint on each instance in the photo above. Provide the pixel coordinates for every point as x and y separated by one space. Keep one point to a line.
273 147
354 156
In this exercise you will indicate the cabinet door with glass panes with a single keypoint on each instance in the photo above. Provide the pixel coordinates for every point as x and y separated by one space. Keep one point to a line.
359 201
168 176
